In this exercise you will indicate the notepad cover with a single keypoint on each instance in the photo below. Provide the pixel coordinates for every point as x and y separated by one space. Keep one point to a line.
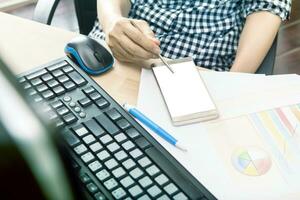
185 93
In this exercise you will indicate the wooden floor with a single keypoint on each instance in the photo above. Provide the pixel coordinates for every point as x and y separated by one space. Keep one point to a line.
288 49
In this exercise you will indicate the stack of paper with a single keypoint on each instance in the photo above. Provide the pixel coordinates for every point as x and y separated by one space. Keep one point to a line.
185 106
249 152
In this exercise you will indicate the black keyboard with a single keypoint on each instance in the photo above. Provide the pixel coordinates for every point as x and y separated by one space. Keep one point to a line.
114 156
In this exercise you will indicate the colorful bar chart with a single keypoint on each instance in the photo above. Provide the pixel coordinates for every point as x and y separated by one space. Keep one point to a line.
279 129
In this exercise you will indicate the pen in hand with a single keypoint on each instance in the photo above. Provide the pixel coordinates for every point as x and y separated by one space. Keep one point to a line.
161 58
153 126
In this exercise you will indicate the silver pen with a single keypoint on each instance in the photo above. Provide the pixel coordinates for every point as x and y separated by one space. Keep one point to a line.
166 64
161 58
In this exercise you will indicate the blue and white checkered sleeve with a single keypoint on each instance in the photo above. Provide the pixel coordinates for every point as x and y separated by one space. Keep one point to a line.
281 8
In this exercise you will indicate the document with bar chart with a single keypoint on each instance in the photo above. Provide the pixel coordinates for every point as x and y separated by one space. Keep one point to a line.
261 151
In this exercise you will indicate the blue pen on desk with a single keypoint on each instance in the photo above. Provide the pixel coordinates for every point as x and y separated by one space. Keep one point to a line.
154 127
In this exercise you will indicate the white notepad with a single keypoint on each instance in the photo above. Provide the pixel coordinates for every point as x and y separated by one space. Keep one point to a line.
185 93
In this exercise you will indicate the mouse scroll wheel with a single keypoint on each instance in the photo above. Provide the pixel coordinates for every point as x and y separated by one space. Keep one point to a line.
98 57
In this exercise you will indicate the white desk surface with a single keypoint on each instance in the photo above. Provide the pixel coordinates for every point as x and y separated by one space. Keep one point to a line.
25 44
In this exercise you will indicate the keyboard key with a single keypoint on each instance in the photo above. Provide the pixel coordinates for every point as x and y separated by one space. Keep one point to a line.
119 172
99 196
92 187
81 114
128 164
59 123
113 114
57 66
71 139
69 118
113 147
36 74
103 174
56 104
171 171
95 96
94 127
161 179
63 79
94 166
171 188
128 145
85 102
127 181
67 98
120 137
144 197
102 103
123 124
77 78
110 184
72 104
96 147
89 139
164 197
135 191
67 69
145 181
152 170
142 143
48 94
136 173
77 109
144 162
69 85
87 157
132 133
121 155
110 164
31 91
106 139
57 73
136 153
89 90
80 149
21 79
154 191
63 110
52 83
80 130
119 193
47 77
58 90
107 124
103 155
180 196
41 88
26 85
37 98
85 178
36 81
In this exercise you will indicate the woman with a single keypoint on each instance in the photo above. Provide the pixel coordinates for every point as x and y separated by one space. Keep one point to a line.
221 35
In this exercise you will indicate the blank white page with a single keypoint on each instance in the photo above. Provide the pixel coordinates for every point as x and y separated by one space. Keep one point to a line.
184 91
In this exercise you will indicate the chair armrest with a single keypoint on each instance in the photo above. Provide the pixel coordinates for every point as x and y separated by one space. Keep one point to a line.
44 11
267 66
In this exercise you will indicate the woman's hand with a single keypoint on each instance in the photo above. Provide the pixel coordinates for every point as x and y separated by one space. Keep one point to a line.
132 41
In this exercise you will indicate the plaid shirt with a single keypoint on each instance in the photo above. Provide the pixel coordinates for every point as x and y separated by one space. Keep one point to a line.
207 30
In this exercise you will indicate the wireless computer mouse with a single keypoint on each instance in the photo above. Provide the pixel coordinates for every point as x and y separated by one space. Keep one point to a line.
91 56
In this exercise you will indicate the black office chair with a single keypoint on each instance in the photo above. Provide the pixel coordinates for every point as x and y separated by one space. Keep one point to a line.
86 12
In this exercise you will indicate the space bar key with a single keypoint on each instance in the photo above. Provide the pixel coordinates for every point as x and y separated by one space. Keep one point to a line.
174 173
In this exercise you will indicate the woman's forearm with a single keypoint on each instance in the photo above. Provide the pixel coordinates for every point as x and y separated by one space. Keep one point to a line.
256 39
111 10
